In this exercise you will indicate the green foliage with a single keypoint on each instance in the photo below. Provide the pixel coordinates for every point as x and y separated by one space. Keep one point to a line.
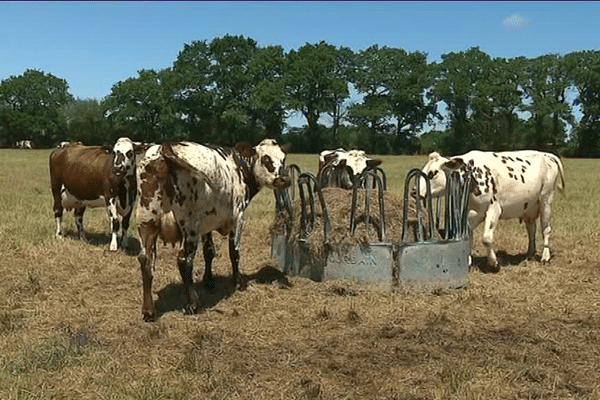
397 87
30 108
316 83
584 69
85 122
144 106
458 83
230 89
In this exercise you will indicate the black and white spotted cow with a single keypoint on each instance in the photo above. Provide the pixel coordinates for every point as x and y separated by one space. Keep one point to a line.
95 176
505 185
187 191
24 144
338 167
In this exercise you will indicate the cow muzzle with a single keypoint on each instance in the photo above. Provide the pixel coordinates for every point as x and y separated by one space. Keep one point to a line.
119 170
282 182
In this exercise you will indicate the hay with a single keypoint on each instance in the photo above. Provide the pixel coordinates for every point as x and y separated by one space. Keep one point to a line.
339 204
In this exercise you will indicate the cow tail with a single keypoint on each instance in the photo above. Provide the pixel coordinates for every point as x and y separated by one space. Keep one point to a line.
174 162
561 182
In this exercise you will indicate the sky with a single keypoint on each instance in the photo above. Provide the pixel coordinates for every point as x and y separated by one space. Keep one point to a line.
94 45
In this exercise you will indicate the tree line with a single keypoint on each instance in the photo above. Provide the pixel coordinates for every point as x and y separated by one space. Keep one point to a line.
230 89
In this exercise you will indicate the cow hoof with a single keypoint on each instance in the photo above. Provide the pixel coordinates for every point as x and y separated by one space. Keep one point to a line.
190 309
242 284
149 317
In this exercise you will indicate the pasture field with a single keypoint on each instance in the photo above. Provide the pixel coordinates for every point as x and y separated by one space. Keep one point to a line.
71 324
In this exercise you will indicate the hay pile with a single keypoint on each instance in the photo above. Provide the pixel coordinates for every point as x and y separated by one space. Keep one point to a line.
338 203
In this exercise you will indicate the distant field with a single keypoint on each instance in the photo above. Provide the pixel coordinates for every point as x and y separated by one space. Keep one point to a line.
71 326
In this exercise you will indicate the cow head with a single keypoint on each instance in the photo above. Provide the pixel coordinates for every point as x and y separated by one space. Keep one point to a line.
359 162
124 156
338 167
269 164
436 169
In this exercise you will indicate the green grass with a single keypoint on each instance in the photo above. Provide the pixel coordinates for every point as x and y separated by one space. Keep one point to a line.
26 216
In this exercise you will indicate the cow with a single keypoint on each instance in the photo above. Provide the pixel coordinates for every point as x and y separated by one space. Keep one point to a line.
338 167
24 144
95 176
188 190
504 185
65 144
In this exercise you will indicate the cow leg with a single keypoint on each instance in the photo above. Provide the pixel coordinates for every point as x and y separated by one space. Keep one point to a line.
56 187
531 227
235 237
58 213
545 213
78 214
125 227
185 262
208 250
474 218
113 217
148 232
491 221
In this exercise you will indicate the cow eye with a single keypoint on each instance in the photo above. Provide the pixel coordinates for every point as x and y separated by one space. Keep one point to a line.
268 163
129 154
430 174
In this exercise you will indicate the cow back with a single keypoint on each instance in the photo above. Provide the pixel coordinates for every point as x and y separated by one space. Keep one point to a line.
85 171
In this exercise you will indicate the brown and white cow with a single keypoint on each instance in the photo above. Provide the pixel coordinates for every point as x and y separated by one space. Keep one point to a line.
338 167
95 176
505 185
200 189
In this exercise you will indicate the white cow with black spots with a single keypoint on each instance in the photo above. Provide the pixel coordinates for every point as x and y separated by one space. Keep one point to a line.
505 185
338 167
187 191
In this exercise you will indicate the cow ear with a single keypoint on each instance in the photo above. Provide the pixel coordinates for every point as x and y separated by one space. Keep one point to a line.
434 156
286 148
244 149
330 157
373 163
454 163
139 147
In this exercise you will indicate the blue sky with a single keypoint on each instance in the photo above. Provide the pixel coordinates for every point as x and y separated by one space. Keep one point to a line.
94 45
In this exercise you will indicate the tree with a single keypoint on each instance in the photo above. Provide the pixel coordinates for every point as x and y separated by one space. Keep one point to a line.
314 84
145 106
584 70
85 122
456 84
194 96
230 58
30 108
266 101
397 89
546 87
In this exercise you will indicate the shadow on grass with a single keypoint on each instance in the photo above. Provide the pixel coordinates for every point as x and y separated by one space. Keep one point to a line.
173 297
99 239
504 260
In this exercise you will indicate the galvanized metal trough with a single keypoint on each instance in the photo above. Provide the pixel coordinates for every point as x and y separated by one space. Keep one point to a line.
423 265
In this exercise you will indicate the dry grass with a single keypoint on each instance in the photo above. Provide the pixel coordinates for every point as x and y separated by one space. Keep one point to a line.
71 327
